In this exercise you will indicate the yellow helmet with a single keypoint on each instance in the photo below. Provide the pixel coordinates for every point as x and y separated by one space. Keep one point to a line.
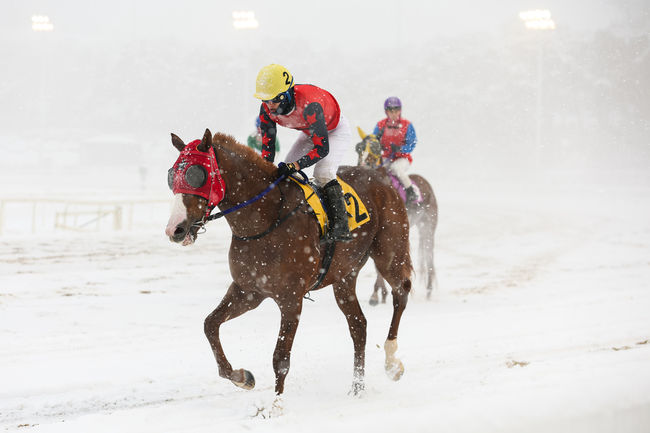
271 81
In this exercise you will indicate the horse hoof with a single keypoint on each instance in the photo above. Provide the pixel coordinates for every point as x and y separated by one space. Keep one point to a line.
395 371
373 301
357 389
243 379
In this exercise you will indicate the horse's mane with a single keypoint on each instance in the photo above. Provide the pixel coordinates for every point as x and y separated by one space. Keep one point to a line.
229 143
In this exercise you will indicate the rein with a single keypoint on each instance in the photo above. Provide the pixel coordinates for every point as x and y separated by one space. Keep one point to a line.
244 203
275 223
201 224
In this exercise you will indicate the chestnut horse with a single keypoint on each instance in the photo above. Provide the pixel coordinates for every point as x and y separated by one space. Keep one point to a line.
423 215
276 250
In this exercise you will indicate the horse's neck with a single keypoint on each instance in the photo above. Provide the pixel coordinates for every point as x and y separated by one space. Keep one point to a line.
246 178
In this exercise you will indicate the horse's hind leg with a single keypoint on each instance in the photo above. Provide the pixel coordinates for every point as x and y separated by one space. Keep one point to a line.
397 271
346 299
426 231
379 285
394 367
235 303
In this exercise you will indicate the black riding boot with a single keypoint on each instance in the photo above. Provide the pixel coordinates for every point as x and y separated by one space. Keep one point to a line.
338 229
411 195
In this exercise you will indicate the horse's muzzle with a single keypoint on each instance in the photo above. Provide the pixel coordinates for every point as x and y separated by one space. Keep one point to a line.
181 233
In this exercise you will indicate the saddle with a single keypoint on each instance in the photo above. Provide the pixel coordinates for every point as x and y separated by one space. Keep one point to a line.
356 210
400 188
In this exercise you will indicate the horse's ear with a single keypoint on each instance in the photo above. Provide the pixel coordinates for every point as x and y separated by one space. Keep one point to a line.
177 142
206 142
361 133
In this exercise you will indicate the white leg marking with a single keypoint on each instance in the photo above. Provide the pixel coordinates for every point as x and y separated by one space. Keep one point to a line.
394 367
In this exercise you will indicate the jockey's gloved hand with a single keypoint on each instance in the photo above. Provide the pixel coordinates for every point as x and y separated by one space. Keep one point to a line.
395 148
286 169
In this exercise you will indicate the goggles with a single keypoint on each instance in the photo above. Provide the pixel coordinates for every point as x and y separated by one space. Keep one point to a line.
195 176
275 100
393 108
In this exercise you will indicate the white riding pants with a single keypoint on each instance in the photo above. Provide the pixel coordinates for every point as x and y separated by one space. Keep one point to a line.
399 168
340 139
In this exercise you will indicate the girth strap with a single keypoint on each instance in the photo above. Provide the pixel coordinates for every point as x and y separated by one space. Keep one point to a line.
330 248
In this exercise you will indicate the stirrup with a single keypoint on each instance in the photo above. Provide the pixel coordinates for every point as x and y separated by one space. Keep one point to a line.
411 196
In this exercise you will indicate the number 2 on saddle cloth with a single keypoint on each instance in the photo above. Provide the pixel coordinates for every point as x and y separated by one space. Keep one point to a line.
357 213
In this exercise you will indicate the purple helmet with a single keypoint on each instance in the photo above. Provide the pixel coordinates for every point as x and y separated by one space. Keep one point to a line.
392 102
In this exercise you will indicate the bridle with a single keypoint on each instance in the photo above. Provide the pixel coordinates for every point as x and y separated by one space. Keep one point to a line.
220 185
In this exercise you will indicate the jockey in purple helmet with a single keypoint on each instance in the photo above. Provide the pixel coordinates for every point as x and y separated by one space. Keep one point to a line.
397 138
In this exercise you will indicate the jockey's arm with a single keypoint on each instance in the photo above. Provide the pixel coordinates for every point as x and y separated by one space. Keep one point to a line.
410 140
269 131
314 116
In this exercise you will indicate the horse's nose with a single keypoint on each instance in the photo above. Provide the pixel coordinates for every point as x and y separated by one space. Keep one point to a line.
179 234
176 233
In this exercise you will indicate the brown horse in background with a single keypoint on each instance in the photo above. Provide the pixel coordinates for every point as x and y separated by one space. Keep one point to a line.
276 251
423 215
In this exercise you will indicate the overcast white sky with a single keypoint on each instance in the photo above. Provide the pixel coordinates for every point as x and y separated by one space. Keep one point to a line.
85 74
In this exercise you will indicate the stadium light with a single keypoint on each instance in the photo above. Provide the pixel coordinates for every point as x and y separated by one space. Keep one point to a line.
242 20
42 23
538 19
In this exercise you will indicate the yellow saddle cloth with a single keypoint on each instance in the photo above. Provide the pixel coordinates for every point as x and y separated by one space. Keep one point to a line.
357 213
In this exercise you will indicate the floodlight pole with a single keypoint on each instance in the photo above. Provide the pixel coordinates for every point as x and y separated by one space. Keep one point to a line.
538 20
42 24
539 107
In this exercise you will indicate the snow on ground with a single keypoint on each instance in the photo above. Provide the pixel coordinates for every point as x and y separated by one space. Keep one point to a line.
540 323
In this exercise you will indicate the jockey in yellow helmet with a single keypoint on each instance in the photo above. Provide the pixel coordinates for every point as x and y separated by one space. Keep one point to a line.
325 139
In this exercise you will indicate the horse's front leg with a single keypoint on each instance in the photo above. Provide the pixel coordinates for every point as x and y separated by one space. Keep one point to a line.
346 299
235 303
290 310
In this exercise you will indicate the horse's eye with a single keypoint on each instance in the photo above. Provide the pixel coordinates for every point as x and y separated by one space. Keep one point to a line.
196 176
170 178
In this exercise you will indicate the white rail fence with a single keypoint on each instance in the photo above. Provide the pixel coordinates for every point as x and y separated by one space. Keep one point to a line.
36 215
